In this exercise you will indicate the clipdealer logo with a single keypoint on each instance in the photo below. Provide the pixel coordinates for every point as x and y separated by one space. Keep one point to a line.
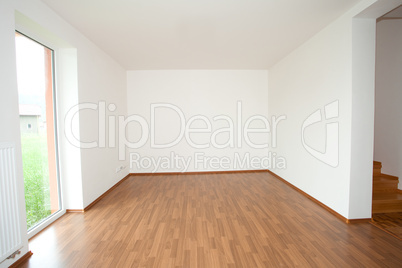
237 133
330 156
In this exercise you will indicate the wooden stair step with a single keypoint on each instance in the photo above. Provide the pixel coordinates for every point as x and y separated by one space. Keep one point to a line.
390 177
384 190
389 207
387 196
377 172
387 202
376 168
385 184
377 164
385 178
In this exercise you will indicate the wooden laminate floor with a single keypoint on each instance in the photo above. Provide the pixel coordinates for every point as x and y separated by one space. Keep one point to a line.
211 220
390 222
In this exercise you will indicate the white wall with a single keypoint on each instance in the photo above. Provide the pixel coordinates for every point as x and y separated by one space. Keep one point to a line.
325 69
84 74
197 92
99 78
9 115
314 75
362 143
388 98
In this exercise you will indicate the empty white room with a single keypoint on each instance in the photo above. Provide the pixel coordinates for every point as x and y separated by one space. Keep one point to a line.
188 133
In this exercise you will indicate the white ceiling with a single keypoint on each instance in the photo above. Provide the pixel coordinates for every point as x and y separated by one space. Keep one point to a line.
199 34
396 13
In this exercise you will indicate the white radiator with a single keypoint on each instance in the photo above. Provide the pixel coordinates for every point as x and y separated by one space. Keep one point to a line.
10 228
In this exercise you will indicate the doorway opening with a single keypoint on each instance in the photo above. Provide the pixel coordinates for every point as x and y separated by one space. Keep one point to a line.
387 172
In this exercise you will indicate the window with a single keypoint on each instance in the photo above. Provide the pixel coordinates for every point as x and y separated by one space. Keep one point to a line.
35 77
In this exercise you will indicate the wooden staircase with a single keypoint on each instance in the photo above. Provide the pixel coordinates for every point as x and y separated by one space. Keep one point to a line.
386 196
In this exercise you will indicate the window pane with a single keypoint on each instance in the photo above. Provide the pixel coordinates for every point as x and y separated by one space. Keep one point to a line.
35 88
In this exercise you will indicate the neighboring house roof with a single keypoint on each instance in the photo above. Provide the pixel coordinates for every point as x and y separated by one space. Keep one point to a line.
28 109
